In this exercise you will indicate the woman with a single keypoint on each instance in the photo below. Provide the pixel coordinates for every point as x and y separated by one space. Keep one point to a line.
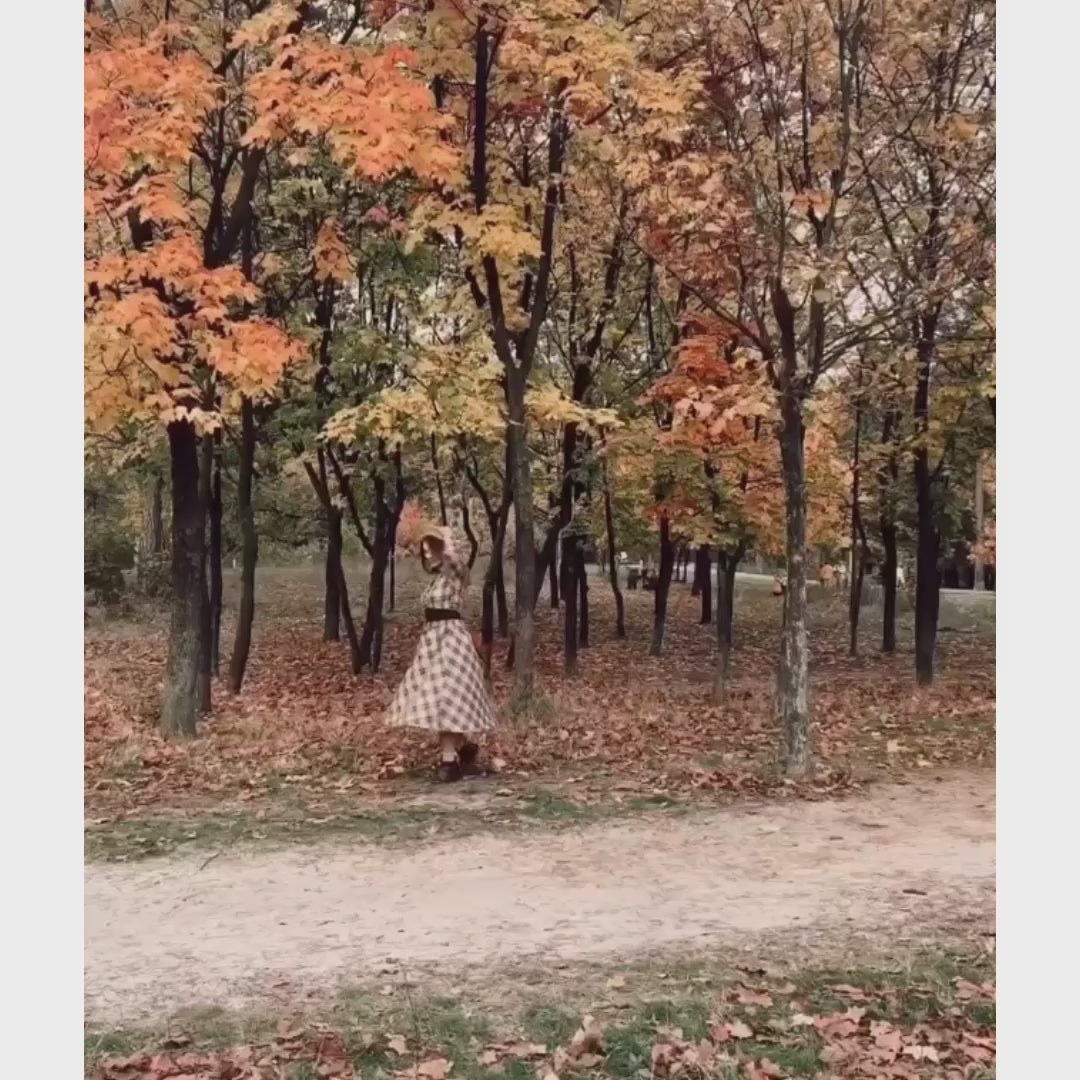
444 688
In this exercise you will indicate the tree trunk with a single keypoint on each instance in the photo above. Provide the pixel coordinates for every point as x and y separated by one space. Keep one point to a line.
333 605
392 599
888 476
502 608
663 586
858 560
726 564
467 529
979 583
372 633
583 598
613 561
888 587
855 603
524 543
568 565
216 587
438 481
337 588
180 706
154 534
206 466
494 591
553 583
794 676
487 618
355 655
926 572
386 519
249 548
152 540
703 575
928 539
487 611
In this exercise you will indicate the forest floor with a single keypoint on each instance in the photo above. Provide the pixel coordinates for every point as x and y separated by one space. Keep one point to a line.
302 752
633 891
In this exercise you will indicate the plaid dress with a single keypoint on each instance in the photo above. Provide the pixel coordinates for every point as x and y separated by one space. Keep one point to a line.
444 689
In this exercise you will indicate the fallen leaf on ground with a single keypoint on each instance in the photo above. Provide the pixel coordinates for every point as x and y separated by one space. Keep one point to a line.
746 996
434 1069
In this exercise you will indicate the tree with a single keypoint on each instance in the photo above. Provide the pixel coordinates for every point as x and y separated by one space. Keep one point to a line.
725 417
926 149
754 220
529 88
174 153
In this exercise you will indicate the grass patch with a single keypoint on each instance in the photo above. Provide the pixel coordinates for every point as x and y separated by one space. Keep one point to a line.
629 1045
796 1060
550 1024
287 824
144 838
655 1012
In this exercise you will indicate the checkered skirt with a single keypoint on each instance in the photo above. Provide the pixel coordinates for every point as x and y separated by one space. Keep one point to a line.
444 689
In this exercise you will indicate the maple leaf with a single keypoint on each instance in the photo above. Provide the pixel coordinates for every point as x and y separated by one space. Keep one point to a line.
840 1025
331 253
753 997
433 1069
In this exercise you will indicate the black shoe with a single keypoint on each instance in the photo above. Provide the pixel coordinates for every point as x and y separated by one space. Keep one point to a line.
449 772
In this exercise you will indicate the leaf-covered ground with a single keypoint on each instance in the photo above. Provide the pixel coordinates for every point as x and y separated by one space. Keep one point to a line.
934 1018
307 735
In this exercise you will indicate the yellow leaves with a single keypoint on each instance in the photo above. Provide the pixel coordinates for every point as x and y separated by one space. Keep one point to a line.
656 92
343 426
445 390
548 405
962 128
331 255
499 231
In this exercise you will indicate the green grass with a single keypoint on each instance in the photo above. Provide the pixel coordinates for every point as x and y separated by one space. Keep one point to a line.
629 1046
634 1018
550 1024
215 831
914 993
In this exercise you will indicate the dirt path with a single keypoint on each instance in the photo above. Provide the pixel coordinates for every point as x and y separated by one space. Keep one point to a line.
903 864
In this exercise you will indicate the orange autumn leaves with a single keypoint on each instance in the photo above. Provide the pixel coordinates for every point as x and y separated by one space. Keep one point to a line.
723 418
178 117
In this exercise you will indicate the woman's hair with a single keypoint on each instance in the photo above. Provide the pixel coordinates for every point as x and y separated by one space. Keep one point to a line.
431 545
447 551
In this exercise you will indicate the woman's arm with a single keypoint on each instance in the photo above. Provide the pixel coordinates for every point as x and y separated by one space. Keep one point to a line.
455 557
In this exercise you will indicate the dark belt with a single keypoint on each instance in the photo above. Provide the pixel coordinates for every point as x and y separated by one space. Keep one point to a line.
438 614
